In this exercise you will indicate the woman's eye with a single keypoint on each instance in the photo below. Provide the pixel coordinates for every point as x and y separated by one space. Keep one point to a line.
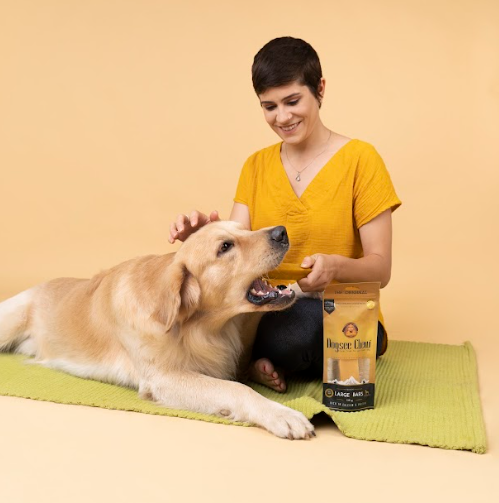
225 247
269 108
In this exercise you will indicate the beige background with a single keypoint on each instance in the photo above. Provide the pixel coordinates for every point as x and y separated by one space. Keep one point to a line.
117 115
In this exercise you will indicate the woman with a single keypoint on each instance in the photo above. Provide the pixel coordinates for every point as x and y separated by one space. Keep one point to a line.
333 194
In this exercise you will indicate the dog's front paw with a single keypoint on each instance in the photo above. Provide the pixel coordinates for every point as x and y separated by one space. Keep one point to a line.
285 422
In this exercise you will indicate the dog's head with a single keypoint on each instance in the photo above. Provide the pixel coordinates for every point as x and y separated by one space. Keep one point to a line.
219 269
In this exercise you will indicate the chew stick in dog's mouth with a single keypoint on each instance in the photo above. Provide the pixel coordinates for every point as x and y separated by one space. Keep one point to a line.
260 292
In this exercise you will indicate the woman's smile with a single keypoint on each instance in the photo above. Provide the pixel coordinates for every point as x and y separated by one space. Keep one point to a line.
289 129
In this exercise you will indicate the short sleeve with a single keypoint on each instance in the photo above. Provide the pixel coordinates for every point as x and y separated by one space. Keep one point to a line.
373 190
245 184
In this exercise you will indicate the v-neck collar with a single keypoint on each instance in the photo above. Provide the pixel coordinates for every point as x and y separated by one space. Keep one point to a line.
287 182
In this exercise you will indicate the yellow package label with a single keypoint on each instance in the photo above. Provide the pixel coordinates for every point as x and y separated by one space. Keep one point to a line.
350 313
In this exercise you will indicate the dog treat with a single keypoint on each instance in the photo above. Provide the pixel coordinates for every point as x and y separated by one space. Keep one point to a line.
350 313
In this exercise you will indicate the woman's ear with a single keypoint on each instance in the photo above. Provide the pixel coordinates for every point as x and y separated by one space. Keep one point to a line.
321 90
180 298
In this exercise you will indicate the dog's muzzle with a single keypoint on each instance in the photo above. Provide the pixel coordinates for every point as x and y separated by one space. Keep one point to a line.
279 237
261 293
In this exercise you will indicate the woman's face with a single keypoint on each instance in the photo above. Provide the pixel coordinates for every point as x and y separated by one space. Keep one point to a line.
292 111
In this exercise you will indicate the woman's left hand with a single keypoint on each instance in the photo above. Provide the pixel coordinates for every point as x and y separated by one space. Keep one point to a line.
323 272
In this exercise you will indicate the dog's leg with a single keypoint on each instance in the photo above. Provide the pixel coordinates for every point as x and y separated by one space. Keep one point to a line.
247 325
232 400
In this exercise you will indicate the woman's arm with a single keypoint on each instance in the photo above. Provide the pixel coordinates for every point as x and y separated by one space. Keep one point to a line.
240 213
375 265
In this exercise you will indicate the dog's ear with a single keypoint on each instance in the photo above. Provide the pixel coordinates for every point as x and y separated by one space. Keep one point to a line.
190 295
181 297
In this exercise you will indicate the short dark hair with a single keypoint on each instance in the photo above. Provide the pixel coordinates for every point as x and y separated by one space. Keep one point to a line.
285 60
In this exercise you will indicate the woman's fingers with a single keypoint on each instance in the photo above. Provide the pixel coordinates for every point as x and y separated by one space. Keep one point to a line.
182 223
314 279
173 233
309 261
198 219
214 216
181 229
185 225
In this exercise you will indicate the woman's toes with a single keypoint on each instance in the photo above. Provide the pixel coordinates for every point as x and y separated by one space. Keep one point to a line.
263 372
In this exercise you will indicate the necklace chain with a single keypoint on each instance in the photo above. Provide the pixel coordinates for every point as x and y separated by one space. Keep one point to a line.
297 178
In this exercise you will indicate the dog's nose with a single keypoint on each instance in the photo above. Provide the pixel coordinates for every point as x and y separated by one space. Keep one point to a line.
279 235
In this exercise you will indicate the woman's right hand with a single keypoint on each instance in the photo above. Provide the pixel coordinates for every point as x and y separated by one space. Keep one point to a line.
185 225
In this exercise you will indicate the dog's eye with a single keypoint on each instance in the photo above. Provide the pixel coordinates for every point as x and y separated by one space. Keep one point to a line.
227 245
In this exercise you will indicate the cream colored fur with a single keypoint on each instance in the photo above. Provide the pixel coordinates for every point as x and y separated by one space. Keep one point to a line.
176 327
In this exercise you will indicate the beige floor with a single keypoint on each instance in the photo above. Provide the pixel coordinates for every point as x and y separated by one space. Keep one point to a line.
61 453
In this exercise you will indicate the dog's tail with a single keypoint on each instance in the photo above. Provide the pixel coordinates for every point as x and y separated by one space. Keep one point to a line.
14 320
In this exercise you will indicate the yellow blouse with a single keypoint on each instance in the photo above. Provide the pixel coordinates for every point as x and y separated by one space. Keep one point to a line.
351 189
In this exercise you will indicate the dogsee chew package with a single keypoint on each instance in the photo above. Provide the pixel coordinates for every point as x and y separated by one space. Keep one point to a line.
350 313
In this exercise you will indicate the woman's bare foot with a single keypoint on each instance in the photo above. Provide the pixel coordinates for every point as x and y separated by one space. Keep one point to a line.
263 372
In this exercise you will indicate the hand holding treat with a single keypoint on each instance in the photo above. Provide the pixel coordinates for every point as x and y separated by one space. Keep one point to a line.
323 272
184 226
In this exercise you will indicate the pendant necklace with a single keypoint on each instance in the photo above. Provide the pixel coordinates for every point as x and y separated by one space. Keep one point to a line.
297 178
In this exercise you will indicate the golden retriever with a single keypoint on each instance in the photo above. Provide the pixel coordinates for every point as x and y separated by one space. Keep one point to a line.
175 326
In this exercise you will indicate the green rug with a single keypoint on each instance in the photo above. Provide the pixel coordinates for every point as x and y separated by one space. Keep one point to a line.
425 394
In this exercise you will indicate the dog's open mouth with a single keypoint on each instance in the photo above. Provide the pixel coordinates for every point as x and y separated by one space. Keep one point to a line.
260 292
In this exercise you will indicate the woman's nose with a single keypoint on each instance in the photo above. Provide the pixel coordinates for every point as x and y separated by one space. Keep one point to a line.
283 116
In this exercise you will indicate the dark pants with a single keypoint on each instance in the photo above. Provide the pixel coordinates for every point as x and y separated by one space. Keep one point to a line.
293 339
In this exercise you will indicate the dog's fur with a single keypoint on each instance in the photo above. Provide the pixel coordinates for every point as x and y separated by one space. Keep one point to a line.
176 326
